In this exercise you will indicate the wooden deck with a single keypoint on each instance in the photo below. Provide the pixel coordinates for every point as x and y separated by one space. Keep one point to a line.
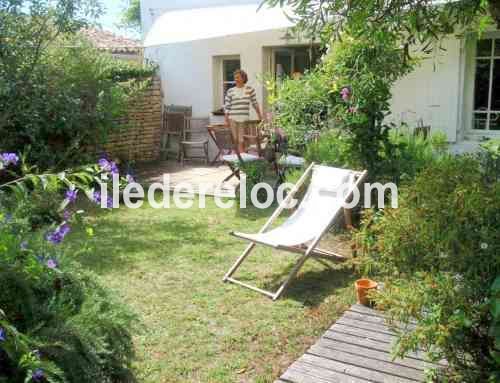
356 349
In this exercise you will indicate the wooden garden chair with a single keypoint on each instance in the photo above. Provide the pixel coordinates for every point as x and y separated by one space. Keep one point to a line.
254 137
173 121
251 135
194 143
173 124
320 209
222 137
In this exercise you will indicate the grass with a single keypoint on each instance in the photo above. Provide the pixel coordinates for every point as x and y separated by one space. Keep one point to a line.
167 265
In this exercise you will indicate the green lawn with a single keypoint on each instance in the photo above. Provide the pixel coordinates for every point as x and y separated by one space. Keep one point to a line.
168 264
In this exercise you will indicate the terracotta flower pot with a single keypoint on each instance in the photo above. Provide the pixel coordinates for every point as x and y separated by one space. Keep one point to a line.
363 286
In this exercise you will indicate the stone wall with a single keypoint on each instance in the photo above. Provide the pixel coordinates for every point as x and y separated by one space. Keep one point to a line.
138 136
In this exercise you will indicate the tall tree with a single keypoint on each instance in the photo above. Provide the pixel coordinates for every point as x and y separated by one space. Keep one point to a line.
27 28
421 22
131 15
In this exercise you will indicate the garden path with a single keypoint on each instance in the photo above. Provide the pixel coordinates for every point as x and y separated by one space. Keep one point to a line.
200 176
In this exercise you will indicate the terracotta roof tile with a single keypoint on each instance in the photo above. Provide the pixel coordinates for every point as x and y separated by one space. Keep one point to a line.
106 40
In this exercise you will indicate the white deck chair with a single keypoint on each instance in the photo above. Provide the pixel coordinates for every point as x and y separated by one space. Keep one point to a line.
321 207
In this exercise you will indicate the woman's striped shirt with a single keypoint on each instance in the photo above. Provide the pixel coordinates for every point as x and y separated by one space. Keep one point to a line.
238 101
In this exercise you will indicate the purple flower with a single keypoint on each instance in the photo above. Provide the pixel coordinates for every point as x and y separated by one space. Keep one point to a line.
67 215
52 264
71 195
9 159
54 237
38 375
109 202
104 164
57 236
345 93
114 168
24 245
108 166
130 179
97 199
64 229
3 336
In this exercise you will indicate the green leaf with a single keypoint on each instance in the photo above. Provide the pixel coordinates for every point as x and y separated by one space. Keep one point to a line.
495 288
496 356
495 308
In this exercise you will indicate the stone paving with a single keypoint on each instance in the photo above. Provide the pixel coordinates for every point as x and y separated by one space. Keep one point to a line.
200 176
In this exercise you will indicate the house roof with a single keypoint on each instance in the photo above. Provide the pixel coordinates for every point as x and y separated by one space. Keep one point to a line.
111 42
211 22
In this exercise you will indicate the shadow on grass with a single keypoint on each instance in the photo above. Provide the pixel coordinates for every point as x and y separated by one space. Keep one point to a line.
118 246
312 287
251 213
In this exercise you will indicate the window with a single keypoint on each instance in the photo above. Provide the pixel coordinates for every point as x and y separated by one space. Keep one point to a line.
486 112
291 61
228 68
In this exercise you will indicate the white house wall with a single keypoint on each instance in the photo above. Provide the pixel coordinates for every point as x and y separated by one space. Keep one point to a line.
432 92
187 71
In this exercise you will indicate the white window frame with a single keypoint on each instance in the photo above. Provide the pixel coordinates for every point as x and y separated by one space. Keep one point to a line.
225 81
492 59
219 80
469 84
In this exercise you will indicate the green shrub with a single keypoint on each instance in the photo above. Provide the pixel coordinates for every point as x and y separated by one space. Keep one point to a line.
364 70
57 323
402 160
333 148
350 91
70 327
489 156
410 153
302 106
438 256
59 96
255 172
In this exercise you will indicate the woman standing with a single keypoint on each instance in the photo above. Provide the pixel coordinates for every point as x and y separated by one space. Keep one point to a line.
237 107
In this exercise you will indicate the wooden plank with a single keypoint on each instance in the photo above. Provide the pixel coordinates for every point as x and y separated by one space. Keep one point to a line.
368 343
351 370
369 311
293 375
377 320
365 325
306 373
384 367
380 337
385 356
366 310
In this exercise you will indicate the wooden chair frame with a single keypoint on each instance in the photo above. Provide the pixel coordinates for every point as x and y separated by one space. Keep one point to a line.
222 138
252 134
187 140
